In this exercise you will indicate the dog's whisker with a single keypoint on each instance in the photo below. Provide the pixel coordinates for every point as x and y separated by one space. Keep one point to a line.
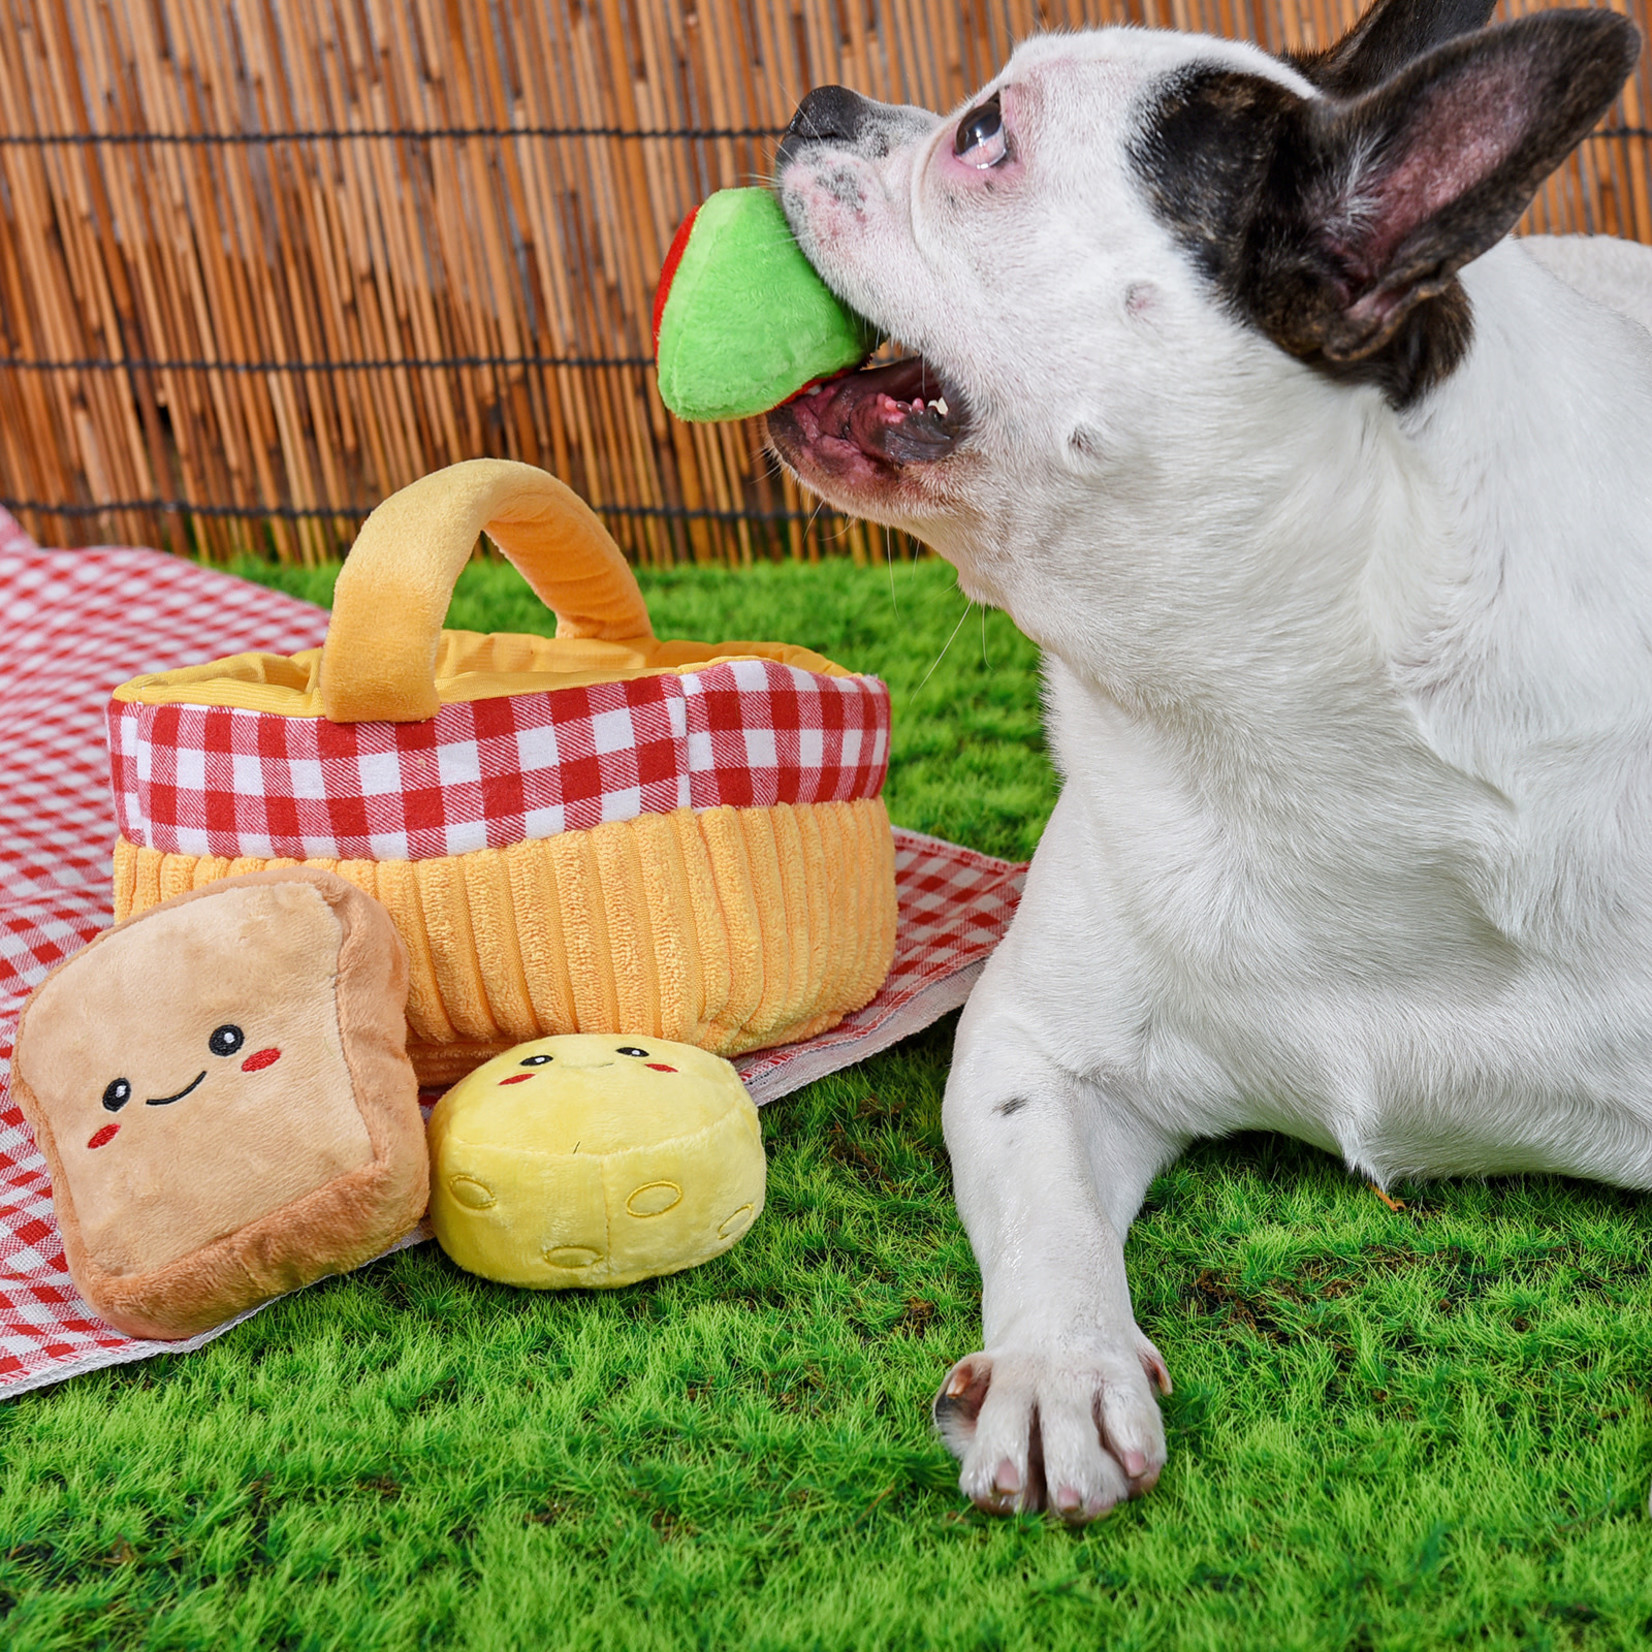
968 604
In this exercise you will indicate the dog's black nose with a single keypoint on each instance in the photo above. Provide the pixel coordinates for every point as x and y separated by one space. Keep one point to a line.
830 114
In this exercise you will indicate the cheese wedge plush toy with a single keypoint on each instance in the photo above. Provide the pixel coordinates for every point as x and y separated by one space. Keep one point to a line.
594 1159
741 320
221 1089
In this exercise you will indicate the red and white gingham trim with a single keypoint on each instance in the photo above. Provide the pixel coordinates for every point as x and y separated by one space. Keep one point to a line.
208 780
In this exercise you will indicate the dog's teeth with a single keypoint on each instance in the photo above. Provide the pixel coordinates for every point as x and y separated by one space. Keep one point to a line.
939 404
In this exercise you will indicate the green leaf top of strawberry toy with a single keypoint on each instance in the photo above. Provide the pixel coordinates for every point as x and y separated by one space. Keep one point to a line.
741 320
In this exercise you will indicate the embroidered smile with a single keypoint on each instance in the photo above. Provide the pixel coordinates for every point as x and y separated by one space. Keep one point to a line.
166 1101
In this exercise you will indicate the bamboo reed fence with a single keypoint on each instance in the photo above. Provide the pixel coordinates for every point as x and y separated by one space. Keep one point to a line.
264 261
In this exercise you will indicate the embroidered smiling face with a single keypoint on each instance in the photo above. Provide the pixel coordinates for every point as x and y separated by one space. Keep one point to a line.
192 1071
587 1091
223 1042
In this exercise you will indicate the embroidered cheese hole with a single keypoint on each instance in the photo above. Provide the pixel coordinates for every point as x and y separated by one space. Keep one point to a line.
654 1199
736 1224
103 1136
572 1256
660 1067
474 1195
259 1060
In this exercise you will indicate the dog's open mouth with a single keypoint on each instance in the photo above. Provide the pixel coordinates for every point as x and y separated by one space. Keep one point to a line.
887 415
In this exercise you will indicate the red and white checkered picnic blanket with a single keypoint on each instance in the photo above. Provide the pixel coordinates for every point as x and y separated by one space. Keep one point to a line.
80 622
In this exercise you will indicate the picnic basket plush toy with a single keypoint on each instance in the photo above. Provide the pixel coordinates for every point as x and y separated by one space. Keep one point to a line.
598 832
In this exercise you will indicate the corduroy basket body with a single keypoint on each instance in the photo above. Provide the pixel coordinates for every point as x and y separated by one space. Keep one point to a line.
597 833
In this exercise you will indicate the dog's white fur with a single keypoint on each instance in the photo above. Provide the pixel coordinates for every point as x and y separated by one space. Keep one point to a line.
1353 709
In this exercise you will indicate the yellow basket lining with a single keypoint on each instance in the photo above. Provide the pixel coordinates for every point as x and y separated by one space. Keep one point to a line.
470 665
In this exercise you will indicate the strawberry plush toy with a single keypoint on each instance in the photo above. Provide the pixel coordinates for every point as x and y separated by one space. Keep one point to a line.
741 321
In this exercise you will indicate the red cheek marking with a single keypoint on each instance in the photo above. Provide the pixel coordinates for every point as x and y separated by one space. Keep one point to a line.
103 1136
260 1059
660 1067
517 1078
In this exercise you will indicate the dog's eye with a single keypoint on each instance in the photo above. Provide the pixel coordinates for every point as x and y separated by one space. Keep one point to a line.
980 140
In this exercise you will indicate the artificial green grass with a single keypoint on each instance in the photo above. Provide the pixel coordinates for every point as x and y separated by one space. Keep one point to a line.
1391 1429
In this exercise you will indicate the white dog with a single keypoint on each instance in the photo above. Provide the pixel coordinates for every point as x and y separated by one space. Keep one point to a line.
1332 511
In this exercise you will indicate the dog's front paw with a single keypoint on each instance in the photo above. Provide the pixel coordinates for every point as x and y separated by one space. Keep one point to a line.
1073 1431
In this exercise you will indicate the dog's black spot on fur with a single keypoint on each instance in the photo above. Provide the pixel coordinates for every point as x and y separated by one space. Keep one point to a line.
1007 1109
1386 38
841 183
1305 214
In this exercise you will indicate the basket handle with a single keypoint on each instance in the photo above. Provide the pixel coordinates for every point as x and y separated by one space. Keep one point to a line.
378 663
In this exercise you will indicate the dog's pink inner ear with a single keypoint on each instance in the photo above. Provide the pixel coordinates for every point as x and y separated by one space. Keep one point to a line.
1459 137
1436 165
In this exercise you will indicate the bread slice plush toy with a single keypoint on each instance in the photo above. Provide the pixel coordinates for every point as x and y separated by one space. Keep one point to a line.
221 1088
741 320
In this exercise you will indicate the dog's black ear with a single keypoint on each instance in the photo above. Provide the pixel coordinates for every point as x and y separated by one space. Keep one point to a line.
1386 38
1373 206
1337 228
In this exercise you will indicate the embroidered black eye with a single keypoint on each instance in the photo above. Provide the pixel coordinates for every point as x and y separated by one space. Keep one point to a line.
533 1061
117 1095
980 137
226 1040
631 1049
